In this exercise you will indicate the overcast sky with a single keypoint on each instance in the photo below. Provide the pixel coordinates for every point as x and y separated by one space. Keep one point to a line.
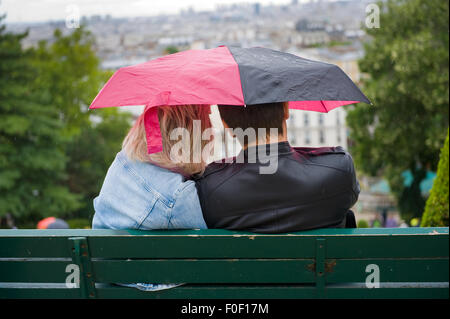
44 10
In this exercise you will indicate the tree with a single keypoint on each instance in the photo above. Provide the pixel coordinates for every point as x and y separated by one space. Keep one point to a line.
54 153
437 209
70 73
171 50
406 64
92 152
32 164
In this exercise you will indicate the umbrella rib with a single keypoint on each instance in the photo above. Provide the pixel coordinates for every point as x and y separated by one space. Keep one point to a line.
324 107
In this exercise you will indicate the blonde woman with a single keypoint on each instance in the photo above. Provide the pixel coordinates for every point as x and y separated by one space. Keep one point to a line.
143 191
152 191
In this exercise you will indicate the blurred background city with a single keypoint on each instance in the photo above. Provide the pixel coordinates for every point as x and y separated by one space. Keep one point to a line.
56 55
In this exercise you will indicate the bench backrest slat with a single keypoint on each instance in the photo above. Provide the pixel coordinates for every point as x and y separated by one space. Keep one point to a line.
233 245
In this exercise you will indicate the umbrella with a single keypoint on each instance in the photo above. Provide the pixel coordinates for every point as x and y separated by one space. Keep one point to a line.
52 223
229 76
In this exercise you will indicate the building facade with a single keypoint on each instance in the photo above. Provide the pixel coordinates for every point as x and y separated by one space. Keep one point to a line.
312 129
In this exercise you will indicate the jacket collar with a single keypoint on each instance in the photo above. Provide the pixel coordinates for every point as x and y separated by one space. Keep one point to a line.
282 148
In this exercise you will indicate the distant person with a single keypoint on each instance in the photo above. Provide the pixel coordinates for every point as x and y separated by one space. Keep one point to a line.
305 188
384 216
7 221
391 222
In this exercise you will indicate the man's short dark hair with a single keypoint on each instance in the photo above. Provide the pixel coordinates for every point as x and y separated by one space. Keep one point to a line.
267 116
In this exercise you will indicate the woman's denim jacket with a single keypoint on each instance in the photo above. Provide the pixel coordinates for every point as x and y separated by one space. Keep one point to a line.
137 195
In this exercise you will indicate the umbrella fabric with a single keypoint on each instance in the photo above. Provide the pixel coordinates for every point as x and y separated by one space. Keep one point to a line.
52 223
230 76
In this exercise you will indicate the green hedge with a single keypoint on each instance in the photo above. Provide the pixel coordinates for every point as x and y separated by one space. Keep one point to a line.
362 223
79 223
436 209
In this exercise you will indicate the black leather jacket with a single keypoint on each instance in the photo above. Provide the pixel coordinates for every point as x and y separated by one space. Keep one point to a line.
312 188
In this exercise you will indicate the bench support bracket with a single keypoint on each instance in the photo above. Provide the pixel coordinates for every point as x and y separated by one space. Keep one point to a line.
320 267
80 255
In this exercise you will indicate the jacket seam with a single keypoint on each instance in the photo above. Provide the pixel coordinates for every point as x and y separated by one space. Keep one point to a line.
322 165
149 210
175 199
147 187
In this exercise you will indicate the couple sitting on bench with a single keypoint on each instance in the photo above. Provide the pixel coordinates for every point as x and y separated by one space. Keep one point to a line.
305 188
270 187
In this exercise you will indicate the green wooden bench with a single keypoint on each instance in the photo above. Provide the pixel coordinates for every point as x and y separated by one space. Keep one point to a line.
326 263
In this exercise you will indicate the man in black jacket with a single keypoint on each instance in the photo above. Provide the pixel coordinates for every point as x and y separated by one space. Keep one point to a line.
271 187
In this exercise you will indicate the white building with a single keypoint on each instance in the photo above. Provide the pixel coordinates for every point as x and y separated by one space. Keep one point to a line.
313 129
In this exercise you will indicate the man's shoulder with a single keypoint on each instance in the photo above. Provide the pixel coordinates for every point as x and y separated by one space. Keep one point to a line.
320 151
336 157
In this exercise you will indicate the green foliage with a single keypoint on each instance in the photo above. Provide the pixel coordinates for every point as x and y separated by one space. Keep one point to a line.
92 152
79 223
32 164
362 223
171 50
406 63
54 153
437 207
70 75
70 72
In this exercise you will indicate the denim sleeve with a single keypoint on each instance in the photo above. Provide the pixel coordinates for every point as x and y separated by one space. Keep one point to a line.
124 202
187 213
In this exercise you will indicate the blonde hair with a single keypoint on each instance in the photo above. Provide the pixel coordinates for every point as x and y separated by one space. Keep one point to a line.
170 118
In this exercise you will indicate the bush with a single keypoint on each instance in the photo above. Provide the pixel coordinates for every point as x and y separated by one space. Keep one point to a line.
362 223
436 209
79 223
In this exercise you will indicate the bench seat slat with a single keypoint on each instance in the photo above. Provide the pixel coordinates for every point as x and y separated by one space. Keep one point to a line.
240 247
391 270
269 247
233 292
205 271
382 242
23 247
388 246
39 293
248 246
272 292
34 271
221 271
